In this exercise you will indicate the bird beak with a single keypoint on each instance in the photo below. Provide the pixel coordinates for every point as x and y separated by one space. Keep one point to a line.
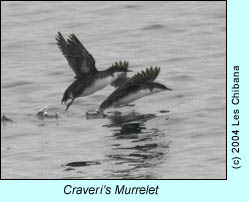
129 70
168 88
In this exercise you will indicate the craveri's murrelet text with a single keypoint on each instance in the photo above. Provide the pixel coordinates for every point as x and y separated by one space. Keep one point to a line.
118 189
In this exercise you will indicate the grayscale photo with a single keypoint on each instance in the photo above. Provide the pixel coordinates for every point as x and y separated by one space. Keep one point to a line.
113 90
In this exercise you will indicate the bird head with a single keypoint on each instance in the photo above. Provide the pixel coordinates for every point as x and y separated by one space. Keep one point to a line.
157 87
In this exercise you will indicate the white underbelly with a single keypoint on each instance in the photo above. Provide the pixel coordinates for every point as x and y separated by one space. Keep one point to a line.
133 96
97 85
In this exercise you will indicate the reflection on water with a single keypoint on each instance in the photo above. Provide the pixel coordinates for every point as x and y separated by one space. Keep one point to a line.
129 124
143 149
72 165
133 148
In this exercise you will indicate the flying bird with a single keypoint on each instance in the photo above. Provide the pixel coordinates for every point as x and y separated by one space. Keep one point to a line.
88 79
138 86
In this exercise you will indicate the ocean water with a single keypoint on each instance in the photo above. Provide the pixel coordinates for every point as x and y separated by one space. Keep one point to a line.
177 134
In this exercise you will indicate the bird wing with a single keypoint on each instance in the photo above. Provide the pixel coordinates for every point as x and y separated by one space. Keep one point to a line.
123 77
79 59
150 74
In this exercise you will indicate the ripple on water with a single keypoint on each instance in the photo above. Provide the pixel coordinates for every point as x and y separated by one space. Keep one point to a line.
81 164
152 27
131 6
6 119
16 84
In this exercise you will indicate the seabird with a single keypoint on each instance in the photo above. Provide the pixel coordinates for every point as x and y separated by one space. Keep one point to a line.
88 79
138 86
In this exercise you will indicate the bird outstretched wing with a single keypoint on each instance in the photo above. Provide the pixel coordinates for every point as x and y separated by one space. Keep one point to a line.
79 59
150 74
123 77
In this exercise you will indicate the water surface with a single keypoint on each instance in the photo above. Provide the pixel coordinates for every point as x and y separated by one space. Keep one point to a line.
176 134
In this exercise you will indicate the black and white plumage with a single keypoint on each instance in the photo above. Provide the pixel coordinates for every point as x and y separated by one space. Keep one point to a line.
88 79
138 86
